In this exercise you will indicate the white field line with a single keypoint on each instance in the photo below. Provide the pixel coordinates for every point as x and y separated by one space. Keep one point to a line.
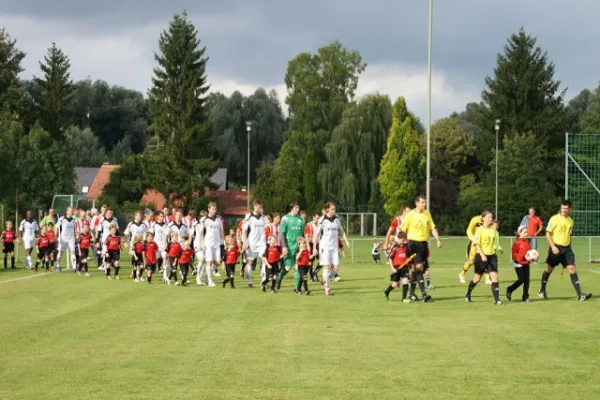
594 271
22 278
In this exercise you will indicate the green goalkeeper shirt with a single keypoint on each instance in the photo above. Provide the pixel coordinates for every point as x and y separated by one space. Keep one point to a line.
290 229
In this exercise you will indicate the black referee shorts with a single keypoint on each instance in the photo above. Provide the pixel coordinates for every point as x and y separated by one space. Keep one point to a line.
565 256
491 265
420 251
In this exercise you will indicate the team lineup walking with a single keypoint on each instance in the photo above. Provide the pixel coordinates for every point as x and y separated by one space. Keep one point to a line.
177 246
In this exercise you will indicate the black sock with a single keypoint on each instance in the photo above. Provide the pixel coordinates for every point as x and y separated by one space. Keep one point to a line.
150 279
428 278
85 268
413 287
421 283
305 285
12 262
159 263
471 287
404 291
389 290
5 262
496 291
37 264
135 273
52 264
107 273
231 282
316 272
117 271
545 277
273 284
264 283
575 282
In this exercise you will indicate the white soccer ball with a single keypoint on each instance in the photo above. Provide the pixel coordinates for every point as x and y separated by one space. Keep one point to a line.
532 255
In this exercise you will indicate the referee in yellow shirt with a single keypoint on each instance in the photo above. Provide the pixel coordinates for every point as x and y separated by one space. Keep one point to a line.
558 234
418 225
486 259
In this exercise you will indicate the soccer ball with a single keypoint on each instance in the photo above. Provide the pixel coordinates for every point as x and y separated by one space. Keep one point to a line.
532 255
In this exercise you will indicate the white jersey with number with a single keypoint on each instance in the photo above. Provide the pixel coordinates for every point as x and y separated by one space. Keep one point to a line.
328 232
67 229
133 229
213 231
255 225
29 228
161 233
105 228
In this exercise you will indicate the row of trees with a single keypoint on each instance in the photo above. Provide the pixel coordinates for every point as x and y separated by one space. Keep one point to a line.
367 154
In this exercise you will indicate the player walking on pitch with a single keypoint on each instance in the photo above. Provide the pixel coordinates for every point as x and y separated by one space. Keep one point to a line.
558 234
328 231
212 228
290 229
28 229
67 235
418 225
253 235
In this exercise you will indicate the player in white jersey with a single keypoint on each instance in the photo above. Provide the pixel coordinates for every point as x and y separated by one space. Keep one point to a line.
97 219
198 234
178 226
135 227
28 230
104 231
213 235
66 232
329 229
161 234
148 219
253 235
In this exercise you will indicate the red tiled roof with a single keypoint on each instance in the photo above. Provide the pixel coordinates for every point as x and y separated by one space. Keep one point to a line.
102 178
231 202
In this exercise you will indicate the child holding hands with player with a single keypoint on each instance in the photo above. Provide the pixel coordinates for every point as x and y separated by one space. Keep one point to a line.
400 264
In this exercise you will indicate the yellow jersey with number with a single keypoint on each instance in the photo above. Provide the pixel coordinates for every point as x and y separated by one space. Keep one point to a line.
475 223
561 229
418 225
485 239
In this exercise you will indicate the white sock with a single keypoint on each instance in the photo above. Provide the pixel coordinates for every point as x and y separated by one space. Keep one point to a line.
249 273
73 260
326 278
209 269
58 257
166 272
199 273
29 261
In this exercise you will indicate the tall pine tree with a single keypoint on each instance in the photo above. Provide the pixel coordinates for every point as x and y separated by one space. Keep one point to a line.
11 90
182 167
402 166
54 93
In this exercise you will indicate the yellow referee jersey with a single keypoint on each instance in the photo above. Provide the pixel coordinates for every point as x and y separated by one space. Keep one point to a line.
485 238
418 225
561 229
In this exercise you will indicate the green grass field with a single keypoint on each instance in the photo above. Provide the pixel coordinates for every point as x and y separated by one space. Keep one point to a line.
69 337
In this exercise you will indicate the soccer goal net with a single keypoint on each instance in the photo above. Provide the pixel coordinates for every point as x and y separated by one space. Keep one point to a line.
582 184
61 202
359 224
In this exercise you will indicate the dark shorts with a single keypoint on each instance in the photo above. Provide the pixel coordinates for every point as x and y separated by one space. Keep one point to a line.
230 270
420 251
84 253
9 247
565 257
426 265
274 270
403 272
490 266
52 247
43 253
303 271
113 256
140 260
151 267
376 257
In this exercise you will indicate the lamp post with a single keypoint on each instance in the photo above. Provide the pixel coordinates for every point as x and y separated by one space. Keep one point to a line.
428 168
248 129
497 127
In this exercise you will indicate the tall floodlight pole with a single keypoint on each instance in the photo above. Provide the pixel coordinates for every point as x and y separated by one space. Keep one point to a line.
497 127
428 174
248 129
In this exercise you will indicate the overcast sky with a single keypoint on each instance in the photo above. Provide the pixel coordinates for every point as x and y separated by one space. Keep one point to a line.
249 42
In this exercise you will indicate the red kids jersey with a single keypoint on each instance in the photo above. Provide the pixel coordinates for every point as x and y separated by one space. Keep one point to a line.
174 250
273 254
113 243
85 241
186 256
519 249
304 258
150 250
51 236
8 236
232 255
43 242
399 255
138 248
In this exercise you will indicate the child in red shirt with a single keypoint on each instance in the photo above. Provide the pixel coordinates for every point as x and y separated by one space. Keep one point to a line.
519 251
113 252
303 265
173 251
84 242
231 258
400 265
150 255
137 258
43 246
8 245
272 264
185 261
52 238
